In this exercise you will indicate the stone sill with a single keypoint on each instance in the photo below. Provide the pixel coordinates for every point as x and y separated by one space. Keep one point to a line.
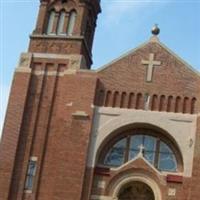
54 36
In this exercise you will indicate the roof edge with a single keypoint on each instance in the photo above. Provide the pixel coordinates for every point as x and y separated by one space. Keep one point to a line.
153 39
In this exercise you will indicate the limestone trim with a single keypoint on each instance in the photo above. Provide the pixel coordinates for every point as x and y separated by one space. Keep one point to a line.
54 36
23 70
101 197
150 64
136 177
24 64
64 37
105 125
25 60
28 191
80 114
139 156
51 56
33 158
42 72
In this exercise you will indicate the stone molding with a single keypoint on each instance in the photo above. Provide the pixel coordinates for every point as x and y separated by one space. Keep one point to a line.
136 177
181 132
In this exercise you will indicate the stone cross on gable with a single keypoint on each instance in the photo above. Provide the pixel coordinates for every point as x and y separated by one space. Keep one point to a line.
151 64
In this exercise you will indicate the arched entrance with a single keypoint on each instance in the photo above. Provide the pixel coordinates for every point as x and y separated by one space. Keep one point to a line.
136 190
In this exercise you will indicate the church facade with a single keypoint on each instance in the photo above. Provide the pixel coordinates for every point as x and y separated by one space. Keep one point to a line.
129 130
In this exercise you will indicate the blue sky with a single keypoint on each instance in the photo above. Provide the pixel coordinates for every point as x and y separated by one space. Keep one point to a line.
122 25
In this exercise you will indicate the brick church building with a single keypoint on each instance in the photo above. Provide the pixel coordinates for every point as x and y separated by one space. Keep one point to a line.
127 131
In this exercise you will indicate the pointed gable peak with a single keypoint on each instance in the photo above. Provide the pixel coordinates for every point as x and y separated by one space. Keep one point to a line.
153 40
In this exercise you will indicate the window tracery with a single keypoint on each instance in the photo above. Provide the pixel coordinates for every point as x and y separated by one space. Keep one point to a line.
154 149
64 25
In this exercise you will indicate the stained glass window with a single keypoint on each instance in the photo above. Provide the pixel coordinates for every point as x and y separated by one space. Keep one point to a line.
154 150
30 175
166 158
115 157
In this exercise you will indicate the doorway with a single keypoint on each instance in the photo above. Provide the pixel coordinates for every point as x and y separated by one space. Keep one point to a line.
136 191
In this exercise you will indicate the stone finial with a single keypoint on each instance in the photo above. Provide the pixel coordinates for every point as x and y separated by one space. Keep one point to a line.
155 30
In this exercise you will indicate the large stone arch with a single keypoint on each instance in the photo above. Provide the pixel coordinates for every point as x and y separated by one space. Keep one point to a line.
165 124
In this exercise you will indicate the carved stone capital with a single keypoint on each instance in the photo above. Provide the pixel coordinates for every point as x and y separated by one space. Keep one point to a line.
77 62
25 60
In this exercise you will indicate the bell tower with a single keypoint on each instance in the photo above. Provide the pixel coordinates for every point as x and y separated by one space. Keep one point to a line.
49 114
66 27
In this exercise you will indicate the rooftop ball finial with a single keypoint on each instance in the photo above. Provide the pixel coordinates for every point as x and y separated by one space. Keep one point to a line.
155 30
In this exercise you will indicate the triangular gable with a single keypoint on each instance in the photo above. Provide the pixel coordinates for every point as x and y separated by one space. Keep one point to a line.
153 39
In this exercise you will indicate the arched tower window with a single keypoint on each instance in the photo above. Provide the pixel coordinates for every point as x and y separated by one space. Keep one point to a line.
71 23
51 22
61 22
155 149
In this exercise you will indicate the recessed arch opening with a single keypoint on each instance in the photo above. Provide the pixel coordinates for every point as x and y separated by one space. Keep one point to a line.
122 145
151 190
136 190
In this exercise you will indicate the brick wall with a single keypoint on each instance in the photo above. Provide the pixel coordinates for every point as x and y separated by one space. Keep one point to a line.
127 77
12 131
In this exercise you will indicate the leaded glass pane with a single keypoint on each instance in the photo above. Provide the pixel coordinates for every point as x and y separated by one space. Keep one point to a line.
164 148
121 143
133 154
149 148
167 160
115 156
162 158
149 143
30 175
32 168
135 143
29 183
149 156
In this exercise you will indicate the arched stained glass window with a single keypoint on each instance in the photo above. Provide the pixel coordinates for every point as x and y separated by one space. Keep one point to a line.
71 23
61 23
51 22
116 154
156 151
